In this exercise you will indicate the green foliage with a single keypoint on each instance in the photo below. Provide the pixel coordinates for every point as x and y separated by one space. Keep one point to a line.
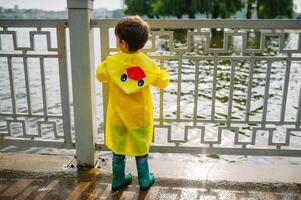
217 8
271 9
250 8
171 8
224 8
139 7
214 8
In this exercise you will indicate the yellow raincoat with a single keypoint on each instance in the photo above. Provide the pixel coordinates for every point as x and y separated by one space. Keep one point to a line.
129 120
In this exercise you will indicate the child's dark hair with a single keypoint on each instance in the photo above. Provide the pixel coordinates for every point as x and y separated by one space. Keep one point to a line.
134 31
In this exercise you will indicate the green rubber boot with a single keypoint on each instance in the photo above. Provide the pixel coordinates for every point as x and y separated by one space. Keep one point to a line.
119 179
146 179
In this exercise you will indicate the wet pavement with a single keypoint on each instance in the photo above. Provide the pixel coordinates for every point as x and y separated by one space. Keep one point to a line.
88 185
37 176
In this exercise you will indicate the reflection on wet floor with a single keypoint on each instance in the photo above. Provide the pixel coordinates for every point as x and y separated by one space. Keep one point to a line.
92 187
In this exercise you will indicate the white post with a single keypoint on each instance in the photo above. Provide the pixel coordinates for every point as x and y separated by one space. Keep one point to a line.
82 67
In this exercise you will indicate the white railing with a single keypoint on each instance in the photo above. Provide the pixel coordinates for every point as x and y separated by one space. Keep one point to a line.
223 133
25 123
221 100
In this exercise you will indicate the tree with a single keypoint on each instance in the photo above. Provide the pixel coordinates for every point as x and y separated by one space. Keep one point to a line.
179 8
250 4
224 8
169 8
191 7
271 9
140 7
204 6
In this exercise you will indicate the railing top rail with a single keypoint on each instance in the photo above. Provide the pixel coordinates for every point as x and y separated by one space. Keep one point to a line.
32 22
212 23
167 23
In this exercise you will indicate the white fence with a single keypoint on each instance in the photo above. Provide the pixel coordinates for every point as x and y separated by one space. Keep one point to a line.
21 123
240 134
223 96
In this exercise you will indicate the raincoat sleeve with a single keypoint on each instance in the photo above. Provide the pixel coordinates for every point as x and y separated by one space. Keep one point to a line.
102 73
162 78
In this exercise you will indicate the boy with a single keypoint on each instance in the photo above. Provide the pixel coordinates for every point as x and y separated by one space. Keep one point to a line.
129 120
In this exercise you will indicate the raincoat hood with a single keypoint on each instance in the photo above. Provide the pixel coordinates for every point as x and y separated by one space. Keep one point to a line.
131 72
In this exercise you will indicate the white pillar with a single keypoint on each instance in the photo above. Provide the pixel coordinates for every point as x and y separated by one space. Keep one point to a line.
83 75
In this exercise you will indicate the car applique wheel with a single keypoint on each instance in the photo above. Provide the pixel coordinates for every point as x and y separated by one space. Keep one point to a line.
134 73
140 83
123 77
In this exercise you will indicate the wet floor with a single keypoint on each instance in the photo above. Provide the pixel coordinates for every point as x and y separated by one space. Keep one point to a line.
90 186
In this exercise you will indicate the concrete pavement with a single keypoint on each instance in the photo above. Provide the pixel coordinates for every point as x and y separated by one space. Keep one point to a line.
36 176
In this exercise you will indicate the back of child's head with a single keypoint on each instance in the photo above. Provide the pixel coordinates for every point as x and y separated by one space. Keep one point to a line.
134 31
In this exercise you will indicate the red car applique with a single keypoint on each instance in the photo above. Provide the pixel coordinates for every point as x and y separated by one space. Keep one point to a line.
135 73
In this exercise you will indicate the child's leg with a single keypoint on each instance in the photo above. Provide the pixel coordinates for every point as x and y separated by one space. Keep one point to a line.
119 179
146 179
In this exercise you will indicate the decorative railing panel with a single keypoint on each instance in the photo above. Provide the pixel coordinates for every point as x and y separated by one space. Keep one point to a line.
235 85
35 104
